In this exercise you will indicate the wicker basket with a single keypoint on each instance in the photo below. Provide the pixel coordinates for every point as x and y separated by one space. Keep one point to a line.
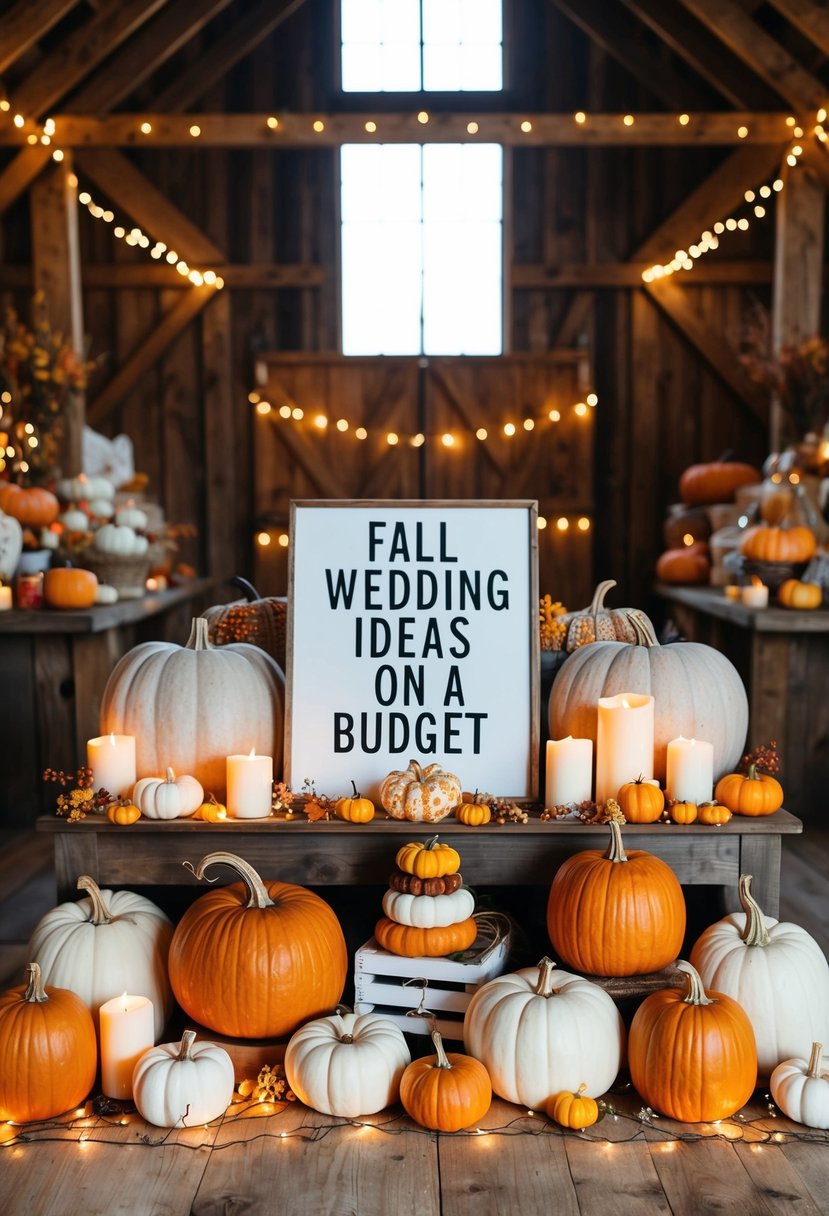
127 574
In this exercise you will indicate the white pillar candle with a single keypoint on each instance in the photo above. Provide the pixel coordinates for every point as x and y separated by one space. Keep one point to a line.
126 1033
112 760
5 598
756 596
690 770
569 771
624 742
249 786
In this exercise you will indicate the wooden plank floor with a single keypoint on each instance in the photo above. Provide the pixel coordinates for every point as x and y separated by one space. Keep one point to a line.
243 1165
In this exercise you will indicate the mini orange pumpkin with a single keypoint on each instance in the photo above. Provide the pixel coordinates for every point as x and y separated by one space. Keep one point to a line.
211 811
683 812
690 564
356 809
575 1111
640 801
766 543
428 859
68 587
123 813
445 1092
714 814
794 594
752 793
474 812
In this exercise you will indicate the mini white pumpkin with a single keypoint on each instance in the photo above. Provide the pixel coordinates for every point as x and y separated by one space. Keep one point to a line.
168 797
73 489
107 943
775 970
801 1088
11 544
103 508
74 520
132 517
539 1031
99 488
429 911
182 1084
348 1064
106 594
49 539
120 540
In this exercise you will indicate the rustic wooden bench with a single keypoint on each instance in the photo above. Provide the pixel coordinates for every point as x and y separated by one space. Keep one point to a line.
151 853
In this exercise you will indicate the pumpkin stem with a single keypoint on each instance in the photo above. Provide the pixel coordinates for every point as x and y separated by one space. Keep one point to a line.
170 777
616 849
100 912
696 993
545 978
186 1044
643 629
198 639
430 843
354 787
418 771
443 1059
582 1089
755 932
815 1060
597 602
258 895
35 993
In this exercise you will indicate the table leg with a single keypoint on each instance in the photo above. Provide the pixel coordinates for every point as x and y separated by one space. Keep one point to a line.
760 856
76 853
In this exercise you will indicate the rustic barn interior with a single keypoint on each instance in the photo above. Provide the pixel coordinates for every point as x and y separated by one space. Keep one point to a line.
170 190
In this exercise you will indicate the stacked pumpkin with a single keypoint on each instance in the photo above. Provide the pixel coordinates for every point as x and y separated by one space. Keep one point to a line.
707 493
428 910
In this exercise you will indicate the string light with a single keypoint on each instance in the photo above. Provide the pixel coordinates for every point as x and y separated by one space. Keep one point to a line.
580 117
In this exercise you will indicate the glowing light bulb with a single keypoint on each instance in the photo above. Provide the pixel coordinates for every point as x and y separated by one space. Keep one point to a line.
580 117
509 429
526 126
146 128
481 433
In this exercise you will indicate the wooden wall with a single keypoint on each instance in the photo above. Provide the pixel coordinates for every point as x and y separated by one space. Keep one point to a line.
660 404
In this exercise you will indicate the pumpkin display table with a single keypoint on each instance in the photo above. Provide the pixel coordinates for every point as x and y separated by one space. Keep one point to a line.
151 852
783 658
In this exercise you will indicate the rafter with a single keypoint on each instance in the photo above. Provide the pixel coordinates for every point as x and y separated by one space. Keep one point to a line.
812 20
28 21
19 174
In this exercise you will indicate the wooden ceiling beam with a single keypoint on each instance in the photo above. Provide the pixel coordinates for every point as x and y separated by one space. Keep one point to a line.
26 23
812 20
155 43
762 53
79 52
19 174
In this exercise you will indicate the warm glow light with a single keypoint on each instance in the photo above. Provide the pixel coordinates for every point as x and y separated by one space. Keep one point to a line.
172 256
418 440
361 433
580 408
472 128
392 439
583 524
481 433
776 185
821 116
526 126
284 411
791 160
342 424
423 117
541 522
318 125
742 132
731 224
529 424
210 277
759 211
58 155
448 440
195 130
263 407
509 429
146 128
320 422
297 413
684 119
5 106
273 122
32 139
263 539
562 523
19 120
592 399
284 539
580 116
742 224
554 415
687 539
371 127
797 150
628 120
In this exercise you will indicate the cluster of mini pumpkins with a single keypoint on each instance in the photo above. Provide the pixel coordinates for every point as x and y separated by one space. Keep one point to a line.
428 912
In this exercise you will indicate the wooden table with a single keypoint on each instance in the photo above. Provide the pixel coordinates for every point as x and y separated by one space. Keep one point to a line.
783 659
55 666
151 852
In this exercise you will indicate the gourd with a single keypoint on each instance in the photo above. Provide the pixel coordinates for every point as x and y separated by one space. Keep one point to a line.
11 545
775 970
169 797
805 596
131 517
697 691
355 810
101 508
752 793
123 813
717 481
32 507
190 707
683 812
48 1050
420 794
66 587
410 884
767 543
183 1084
348 1064
641 802
105 594
428 859
473 813
411 942
75 489
120 541
692 1056
256 959
597 623
539 1031
801 1089
575 1111
616 913
211 811
713 814
107 943
445 1092
74 520
429 911
688 564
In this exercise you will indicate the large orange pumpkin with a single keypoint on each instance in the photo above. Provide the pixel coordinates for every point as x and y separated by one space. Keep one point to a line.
692 1056
717 481
766 543
48 1050
66 587
255 960
34 507
752 793
616 913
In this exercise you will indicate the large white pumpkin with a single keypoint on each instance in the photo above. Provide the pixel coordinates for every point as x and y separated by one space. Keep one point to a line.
775 970
698 693
183 1084
540 1031
348 1064
190 707
105 944
11 544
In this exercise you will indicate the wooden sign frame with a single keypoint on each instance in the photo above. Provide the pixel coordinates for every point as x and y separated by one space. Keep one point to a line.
430 581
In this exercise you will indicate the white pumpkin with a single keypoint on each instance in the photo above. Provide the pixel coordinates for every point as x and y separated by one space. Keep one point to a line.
107 943
801 1088
168 797
120 540
775 970
11 544
539 1031
429 911
49 539
102 508
106 594
73 489
99 488
348 1064
74 520
183 1084
192 706
132 517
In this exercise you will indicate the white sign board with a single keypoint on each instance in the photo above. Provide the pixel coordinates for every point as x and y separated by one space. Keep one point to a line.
414 635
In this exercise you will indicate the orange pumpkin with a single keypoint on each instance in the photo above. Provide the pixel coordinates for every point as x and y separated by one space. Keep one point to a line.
48 1050
683 812
614 913
445 1092
717 481
766 543
255 960
411 942
682 522
690 564
356 809
714 814
123 813
641 802
752 793
794 594
692 1056
66 587
33 507
575 1111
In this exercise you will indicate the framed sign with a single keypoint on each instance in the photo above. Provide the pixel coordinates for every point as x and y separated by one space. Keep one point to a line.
413 635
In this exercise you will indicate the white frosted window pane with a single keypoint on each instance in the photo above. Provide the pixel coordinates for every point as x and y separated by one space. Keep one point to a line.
443 21
462 288
360 170
462 179
398 190
400 67
480 68
360 20
442 67
482 20
362 68
399 21
381 289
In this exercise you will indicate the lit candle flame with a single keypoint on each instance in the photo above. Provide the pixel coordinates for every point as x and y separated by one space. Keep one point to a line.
252 753
112 738
756 581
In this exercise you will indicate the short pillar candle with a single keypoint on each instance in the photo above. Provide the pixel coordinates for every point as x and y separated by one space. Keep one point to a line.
249 786
690 770
126 1033
624 742
569 772
112 760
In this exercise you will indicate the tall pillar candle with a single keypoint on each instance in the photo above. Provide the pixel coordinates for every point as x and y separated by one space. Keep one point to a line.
690 770
126 1033
112 760
569 771
249 786
624 742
